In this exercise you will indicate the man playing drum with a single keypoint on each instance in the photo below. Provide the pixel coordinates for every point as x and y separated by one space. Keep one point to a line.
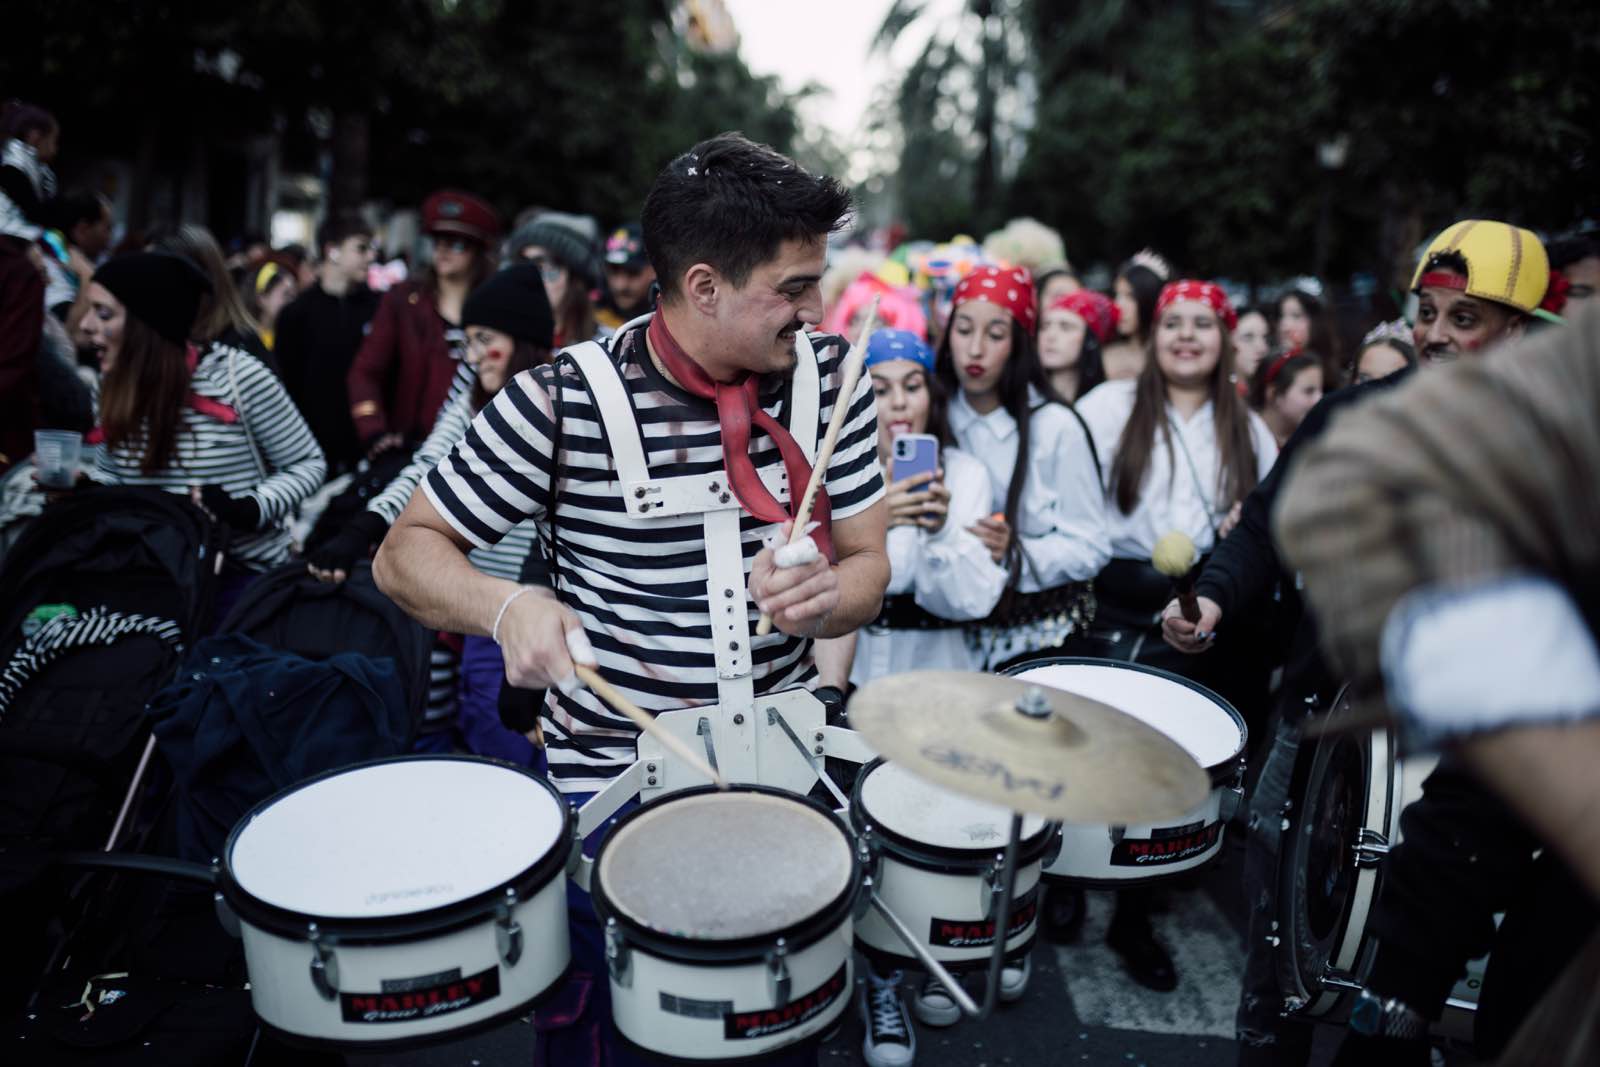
717 382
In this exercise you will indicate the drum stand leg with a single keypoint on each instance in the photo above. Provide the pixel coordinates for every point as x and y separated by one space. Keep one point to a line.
997 959
776 716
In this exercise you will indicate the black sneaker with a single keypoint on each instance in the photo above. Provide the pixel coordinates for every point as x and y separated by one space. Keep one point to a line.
890 1041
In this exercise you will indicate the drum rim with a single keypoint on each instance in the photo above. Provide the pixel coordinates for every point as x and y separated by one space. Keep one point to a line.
731 951
938 859
373 929
1221 772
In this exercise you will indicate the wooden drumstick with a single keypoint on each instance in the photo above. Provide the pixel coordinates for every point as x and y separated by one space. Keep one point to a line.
646 722
1175 557
854 361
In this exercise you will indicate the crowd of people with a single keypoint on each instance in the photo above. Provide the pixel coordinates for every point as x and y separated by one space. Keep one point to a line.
438 424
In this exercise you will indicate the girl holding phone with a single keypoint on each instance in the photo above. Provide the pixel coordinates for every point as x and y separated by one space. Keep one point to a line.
1047 526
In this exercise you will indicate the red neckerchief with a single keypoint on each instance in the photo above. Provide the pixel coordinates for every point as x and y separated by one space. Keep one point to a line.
738 405
206 406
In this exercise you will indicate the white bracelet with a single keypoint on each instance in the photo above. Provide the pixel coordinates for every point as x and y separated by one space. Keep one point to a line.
494 631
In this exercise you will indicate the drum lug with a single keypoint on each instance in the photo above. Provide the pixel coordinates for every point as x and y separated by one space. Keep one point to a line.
990 887
778 983
1053 847
617 955
507 931
226 916
324 964
871 859
1232 798
1370 848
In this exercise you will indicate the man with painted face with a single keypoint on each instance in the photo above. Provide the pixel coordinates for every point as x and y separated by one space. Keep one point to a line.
1478 284
722 382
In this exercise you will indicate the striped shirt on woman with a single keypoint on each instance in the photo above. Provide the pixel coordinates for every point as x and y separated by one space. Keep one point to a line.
502 560
639 588
209 451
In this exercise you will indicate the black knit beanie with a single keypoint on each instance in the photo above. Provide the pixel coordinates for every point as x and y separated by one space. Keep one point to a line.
159 289
569 248
513 301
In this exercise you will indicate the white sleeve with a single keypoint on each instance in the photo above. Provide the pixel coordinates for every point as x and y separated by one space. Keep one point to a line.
904 545
1266 445
1064 534
1511 651
957 579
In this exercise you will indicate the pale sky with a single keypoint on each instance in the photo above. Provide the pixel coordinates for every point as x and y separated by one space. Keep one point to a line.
823 41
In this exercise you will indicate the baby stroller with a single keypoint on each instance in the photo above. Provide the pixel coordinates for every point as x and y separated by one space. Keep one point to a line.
224 744
98 600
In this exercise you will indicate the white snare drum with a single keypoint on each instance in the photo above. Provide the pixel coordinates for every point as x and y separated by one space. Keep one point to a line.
1207 727
1344 814
396 901
727 918
937 866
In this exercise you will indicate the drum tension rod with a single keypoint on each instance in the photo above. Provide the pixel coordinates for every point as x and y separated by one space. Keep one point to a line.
776 716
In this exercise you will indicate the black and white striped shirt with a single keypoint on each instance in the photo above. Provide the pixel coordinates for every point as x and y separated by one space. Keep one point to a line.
640 589
209 451
503 559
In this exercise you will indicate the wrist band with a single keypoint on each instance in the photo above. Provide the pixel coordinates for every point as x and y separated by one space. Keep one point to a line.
494 631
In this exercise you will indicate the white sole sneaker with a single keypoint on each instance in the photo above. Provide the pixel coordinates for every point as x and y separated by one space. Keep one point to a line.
1014 981
890 1040
935 1007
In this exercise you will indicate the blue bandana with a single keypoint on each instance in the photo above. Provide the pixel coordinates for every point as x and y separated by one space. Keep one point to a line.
887 344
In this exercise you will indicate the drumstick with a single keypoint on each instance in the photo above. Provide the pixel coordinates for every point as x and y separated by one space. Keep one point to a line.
854 360
1175 557
610 694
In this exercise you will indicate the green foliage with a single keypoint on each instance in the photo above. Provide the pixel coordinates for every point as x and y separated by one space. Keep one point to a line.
1194 126
560 104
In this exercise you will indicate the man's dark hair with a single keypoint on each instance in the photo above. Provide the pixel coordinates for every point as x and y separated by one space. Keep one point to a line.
731 202
336 229
77 205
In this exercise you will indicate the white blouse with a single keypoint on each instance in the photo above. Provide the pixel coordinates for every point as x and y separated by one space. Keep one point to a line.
1061 517
1174 496
948 572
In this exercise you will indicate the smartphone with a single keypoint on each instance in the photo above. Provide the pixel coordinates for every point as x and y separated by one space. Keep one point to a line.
914 453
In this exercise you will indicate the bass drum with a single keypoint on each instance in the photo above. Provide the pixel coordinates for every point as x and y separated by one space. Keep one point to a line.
1344 814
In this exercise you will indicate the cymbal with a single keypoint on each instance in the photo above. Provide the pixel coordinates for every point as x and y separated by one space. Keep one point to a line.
1081 761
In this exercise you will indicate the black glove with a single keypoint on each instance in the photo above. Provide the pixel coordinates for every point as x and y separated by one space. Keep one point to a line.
239 512
519 708
341 551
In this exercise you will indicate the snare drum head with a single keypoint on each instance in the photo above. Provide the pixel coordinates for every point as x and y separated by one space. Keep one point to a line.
722 866
395 838
1208 729
900 802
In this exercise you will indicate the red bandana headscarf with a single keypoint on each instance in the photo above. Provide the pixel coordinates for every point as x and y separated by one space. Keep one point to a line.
1203 292
1010 288
1097 311
738 406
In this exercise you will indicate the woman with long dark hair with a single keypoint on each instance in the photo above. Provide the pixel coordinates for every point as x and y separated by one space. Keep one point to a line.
1072 334
1180 448
217 426
1303 325
571 269
1048 527
1134 290
509 330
